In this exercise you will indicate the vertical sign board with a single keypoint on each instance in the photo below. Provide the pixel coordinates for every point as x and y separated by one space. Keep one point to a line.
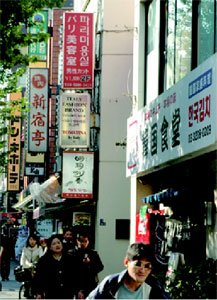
14 142
78 54
74 120
39 49
77 175
179 122
38 115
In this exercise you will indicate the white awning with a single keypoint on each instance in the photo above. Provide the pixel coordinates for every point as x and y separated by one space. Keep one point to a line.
23 202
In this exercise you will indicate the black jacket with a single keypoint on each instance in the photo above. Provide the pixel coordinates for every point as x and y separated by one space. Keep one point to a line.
108 288
55 279
87 272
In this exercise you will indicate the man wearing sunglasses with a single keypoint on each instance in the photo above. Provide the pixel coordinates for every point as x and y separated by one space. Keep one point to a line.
136 282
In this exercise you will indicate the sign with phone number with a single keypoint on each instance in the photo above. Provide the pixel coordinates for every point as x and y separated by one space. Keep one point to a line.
179 122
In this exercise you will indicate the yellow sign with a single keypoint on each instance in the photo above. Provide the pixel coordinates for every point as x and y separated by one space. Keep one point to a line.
14 143
34 157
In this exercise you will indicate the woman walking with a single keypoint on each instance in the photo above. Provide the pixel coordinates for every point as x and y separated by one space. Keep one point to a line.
54 272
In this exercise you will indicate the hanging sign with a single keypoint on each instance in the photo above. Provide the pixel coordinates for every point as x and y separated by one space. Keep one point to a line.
179 122
38 115
39 49
78 54
77 175
14 143
74 120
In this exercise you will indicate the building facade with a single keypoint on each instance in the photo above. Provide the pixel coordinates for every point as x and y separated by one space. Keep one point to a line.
114 54
171 139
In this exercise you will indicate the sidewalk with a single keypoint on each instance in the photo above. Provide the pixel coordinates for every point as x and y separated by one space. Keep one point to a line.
10 289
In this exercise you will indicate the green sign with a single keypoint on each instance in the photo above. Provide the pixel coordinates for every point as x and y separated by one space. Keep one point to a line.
39 49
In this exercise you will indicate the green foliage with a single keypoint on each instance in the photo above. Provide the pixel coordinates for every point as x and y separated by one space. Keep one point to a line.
193 282
16 17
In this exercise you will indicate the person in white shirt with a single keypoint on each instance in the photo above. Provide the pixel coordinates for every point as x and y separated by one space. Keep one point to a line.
31 252
135 282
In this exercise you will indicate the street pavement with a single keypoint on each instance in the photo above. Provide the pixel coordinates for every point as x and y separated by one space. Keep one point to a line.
10 289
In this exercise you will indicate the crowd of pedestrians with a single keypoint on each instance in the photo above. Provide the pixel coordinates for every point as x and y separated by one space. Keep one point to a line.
65 267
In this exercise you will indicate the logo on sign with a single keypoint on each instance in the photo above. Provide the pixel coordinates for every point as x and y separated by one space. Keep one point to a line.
39 81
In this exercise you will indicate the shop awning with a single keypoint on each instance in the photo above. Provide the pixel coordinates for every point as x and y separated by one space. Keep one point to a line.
23 202
161 196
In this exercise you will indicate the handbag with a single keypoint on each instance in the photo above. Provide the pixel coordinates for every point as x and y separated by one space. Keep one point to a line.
22 274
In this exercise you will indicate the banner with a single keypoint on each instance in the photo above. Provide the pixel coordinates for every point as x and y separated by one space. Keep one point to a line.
38 115
14 143
39 49
78 51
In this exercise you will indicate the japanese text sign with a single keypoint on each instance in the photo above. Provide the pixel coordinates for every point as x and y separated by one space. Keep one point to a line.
38 116
179 122
77 175
14 145
74 120
78 51
39 49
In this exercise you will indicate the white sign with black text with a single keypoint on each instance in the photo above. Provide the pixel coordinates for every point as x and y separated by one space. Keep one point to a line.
74 120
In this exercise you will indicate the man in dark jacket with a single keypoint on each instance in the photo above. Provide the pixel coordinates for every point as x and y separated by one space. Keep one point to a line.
136 282
88 265
68 241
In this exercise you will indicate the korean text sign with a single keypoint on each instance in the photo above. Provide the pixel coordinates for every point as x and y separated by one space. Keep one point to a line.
38 115
74 120
77 175
14 142
180 121
78 51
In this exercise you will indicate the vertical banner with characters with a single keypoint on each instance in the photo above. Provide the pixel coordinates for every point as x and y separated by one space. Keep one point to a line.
78 51
14 148
38 115
40 48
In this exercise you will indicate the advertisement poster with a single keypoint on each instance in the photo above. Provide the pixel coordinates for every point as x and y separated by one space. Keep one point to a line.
44 227
74 120
38 115
77 176
81 218
78 51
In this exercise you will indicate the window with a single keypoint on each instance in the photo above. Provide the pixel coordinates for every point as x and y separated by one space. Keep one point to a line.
181 34
152 59
206 24
178 55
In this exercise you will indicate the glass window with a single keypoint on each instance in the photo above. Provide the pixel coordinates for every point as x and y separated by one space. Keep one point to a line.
153 51
206 23
178 56
183 39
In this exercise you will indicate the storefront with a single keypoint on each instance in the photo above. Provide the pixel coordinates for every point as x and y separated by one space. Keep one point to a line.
171 159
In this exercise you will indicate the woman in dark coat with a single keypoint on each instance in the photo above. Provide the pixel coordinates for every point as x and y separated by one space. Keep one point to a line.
54 273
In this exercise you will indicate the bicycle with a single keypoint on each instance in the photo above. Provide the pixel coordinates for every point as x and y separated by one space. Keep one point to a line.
24 276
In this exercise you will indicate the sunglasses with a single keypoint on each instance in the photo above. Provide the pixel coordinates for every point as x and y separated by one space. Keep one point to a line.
139 264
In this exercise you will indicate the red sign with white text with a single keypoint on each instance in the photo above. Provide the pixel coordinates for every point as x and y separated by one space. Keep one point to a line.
78 67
